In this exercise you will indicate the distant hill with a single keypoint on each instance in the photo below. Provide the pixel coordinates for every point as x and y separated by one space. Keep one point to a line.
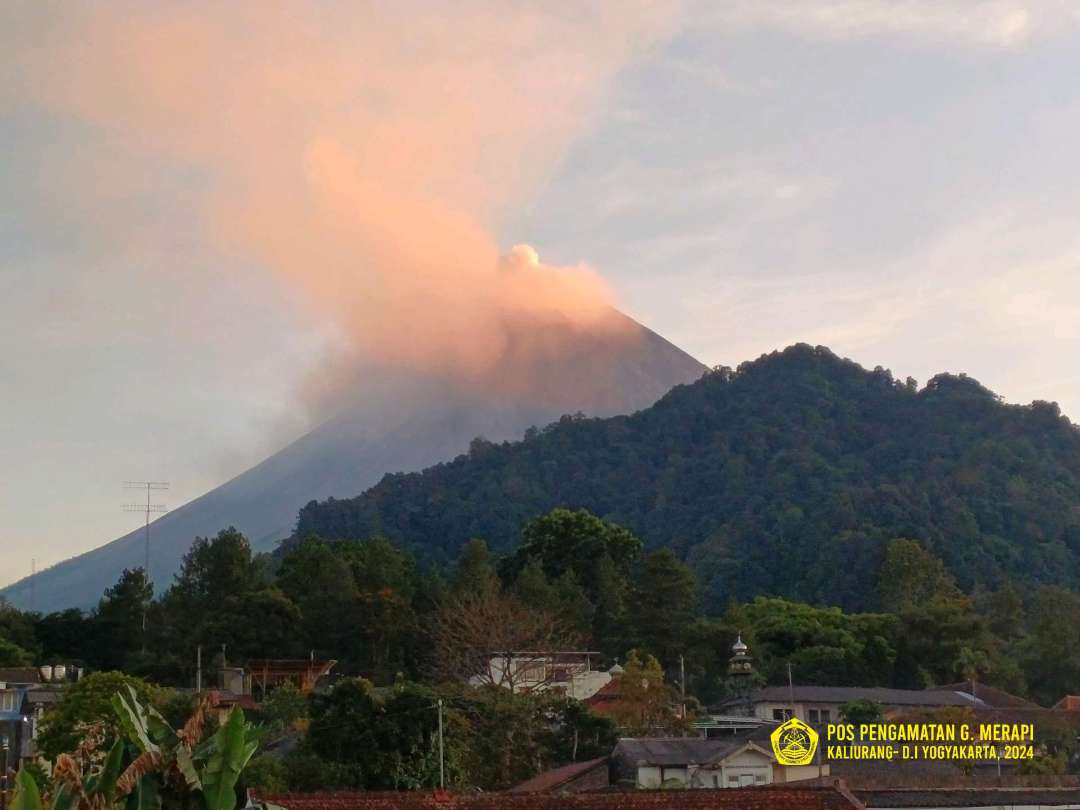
393 423
786 476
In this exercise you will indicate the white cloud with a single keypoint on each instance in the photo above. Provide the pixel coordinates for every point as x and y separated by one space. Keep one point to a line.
995 23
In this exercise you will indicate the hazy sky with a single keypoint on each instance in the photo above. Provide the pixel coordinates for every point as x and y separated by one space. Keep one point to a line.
898 180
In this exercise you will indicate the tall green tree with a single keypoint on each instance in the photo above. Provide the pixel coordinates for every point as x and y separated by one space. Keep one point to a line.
12 655
387 741
564 597
86 702
1051 652
475 571
120 620
320 582
68 635
665 604
17 628
213 570
947 640
824 646
911 576
576 541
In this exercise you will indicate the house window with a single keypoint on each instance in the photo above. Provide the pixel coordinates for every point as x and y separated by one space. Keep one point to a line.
781 714
716 780
733 780
814 716
759 778
7 701
826 718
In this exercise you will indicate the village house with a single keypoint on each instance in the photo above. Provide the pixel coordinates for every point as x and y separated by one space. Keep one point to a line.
262 676
820 705
571 672
692 762
25 694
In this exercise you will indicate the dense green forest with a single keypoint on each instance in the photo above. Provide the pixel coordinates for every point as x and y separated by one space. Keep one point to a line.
852 527
787 477
573 581
405 636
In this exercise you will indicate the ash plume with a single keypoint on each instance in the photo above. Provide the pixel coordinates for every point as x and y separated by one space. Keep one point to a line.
365 153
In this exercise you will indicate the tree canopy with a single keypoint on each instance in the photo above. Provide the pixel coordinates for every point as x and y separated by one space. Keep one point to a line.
788 476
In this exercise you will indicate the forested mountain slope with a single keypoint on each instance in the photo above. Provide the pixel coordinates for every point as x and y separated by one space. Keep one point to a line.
786 476
392 422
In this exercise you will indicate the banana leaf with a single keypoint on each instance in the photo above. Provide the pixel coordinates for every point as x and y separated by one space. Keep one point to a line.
145 796
63 798
133 720
103 783
27 796
232 750
187 768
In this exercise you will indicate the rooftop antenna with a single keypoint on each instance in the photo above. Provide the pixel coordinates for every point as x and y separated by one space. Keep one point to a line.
148 508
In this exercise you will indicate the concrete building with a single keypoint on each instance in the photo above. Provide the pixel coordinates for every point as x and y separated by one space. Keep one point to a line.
692 762
571 672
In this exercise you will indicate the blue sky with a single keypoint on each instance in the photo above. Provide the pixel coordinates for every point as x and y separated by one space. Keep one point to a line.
896 180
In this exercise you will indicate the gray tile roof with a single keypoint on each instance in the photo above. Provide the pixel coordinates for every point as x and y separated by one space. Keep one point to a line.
843 694
43 695
988 695
675 750
13 676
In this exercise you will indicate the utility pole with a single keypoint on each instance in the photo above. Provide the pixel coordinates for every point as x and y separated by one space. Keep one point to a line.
198 670
791 689
442 768
682 684
4 786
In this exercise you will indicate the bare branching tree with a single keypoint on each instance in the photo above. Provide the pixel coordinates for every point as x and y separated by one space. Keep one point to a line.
491 637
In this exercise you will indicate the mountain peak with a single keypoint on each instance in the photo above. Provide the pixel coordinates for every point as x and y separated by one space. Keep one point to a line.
614 366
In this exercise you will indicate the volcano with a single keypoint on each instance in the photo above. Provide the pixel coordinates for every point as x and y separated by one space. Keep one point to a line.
391 422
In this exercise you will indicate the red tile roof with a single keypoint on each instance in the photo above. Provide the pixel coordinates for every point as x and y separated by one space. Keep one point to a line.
1068 703
557 777
606 698
835 797
225 700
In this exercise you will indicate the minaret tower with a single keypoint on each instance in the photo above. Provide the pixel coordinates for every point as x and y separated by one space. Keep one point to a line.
740 680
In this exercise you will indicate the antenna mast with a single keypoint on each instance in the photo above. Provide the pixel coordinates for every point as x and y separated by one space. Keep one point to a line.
148 509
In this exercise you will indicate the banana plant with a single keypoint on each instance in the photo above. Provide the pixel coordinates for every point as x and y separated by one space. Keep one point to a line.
71 788
150 759
232 750
211 766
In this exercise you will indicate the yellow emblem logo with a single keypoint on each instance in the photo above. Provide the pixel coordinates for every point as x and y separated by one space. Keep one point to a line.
794 743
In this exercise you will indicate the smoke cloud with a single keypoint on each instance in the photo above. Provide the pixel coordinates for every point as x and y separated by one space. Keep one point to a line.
364 152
